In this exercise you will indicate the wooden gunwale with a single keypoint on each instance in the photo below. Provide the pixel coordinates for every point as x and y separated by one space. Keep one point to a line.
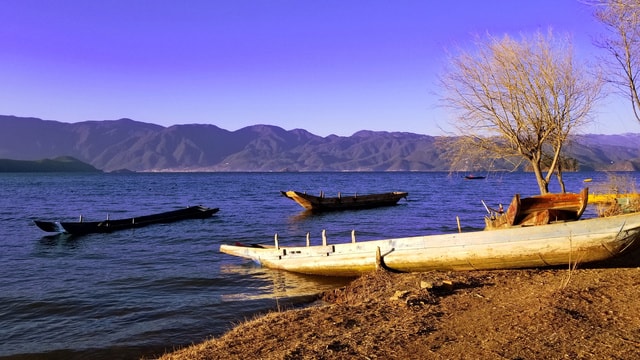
517 247
109 225
341 202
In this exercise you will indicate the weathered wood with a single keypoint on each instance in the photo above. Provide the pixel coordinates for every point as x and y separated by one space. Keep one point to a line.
86 227
554 244
540 210
322 203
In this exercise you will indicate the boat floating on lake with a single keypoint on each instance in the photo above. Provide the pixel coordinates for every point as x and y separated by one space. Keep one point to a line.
562 243
474 177
322 203
107 226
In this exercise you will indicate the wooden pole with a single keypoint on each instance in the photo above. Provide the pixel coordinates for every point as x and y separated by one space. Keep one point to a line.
308 240
353 236
275 238
324 237
458 220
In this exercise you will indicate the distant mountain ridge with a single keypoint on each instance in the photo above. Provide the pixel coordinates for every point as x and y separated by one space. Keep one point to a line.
112 145
60 164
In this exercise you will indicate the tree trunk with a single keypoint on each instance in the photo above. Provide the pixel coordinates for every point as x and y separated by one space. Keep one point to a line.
543 185
561 182
559 176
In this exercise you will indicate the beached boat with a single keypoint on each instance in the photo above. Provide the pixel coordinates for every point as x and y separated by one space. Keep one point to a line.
563 243
108 225
539 210
322 203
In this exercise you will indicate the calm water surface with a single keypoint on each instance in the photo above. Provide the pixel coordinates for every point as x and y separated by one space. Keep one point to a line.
146 291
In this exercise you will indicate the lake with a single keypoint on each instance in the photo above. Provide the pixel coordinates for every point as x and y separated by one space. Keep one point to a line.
146 291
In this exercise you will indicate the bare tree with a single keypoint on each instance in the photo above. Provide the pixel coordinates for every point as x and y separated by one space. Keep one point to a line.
622 20
519 100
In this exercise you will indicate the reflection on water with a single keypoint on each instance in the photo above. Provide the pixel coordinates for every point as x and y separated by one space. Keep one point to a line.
57 240
303 215
168 285
279 284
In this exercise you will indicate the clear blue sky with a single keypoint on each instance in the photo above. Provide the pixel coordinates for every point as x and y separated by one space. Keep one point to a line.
331 67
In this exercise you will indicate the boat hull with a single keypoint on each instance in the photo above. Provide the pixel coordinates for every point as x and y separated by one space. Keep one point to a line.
107 226
321 203
612 198
540 210
49 226
581 241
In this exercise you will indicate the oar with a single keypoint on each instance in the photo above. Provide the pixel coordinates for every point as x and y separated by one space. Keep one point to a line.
485 206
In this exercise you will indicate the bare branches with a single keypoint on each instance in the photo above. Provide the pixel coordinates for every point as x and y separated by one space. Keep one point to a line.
622 19
519 98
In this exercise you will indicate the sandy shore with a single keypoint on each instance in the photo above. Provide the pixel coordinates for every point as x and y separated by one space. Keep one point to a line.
582 313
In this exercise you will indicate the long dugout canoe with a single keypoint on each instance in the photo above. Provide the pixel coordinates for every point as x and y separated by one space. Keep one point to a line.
581 241
340 202
108 225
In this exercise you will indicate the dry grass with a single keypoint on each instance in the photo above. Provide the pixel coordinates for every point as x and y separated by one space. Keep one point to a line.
510 314
618 184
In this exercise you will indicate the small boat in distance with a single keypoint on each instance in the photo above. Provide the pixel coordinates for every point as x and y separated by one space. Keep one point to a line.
539 210
107 226
474 177
561 243
322 203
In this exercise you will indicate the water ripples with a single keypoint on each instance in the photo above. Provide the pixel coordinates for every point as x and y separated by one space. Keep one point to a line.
138 292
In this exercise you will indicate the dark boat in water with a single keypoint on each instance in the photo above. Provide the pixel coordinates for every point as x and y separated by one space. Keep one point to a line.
107 226
322 203
474 177
49 226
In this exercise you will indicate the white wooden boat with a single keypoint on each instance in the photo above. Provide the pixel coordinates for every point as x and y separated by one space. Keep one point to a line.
563 243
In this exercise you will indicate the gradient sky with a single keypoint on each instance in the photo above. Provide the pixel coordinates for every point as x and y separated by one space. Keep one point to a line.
330 67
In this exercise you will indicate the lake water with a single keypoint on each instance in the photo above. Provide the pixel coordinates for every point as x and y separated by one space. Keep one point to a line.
146 291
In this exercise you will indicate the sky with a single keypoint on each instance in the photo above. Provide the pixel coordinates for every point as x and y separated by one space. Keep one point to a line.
330 66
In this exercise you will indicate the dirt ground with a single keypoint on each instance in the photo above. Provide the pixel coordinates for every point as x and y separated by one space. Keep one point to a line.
582 313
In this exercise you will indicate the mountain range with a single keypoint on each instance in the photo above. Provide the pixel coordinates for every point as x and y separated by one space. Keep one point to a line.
115 145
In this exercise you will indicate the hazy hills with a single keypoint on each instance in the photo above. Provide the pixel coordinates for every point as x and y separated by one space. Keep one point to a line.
126 144
60 164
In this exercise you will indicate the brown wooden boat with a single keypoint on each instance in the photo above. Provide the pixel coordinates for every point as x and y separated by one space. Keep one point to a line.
539 210
322 203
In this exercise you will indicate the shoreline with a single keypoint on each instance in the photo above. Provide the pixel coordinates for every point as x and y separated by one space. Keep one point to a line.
585 312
